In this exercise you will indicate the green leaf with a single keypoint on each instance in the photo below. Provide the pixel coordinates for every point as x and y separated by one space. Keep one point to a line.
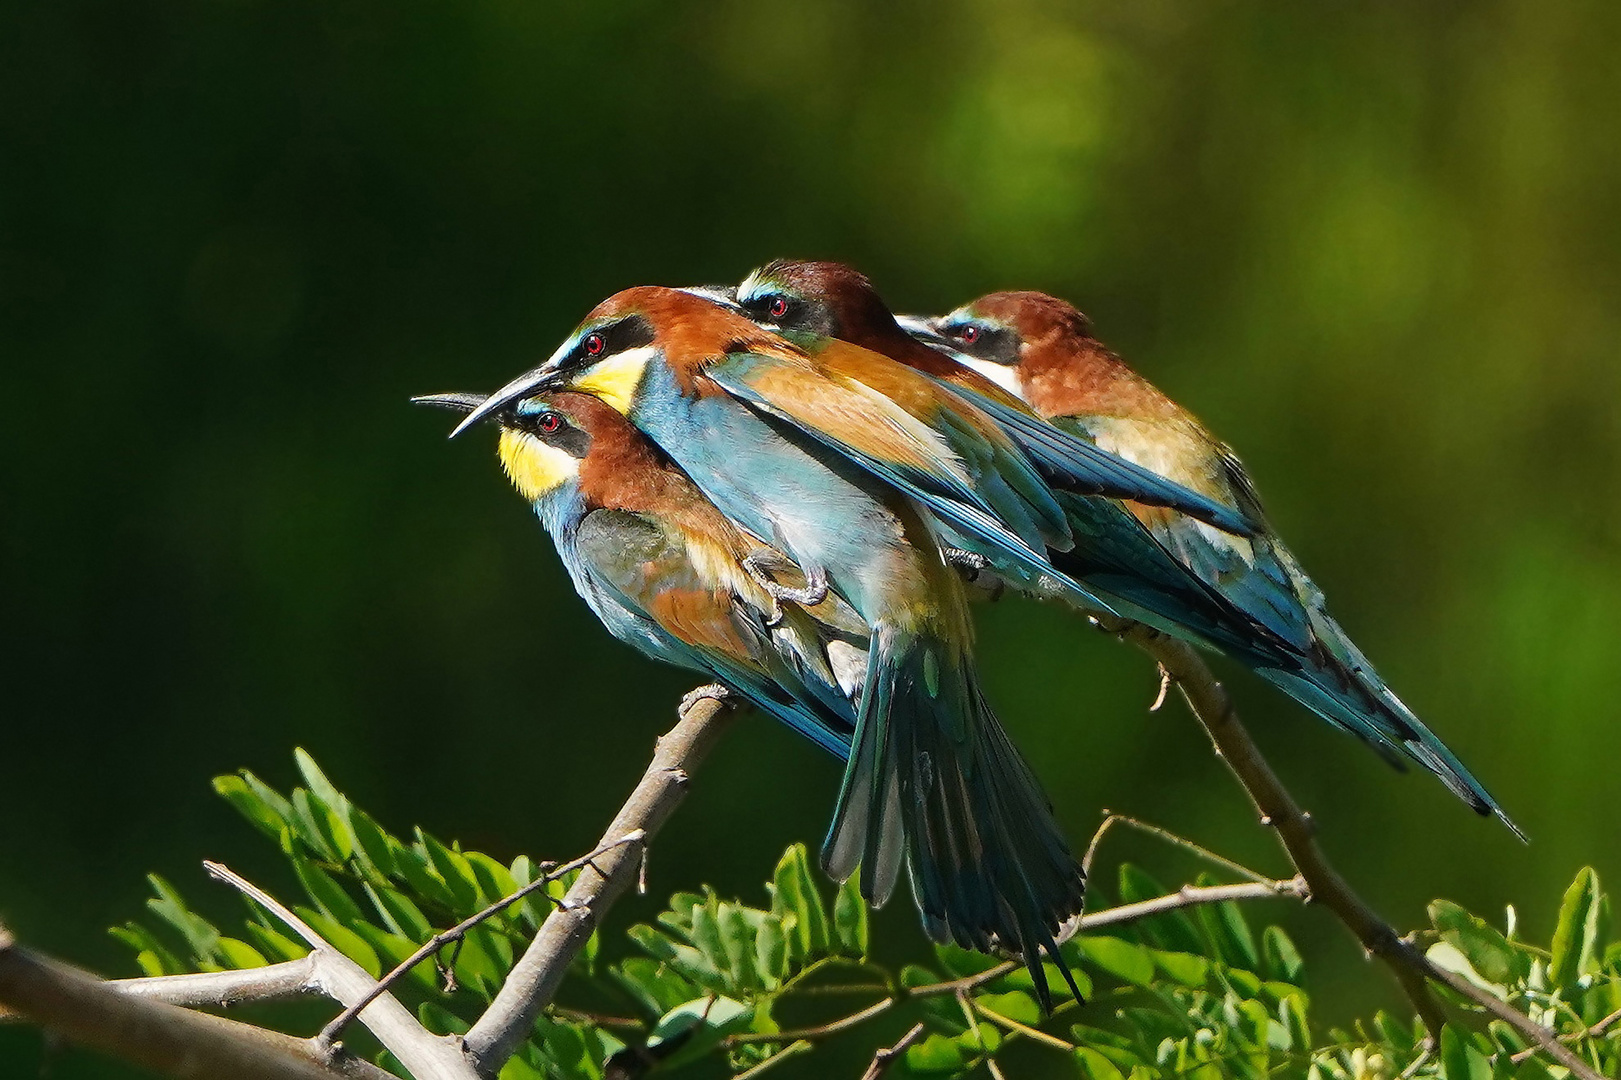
706 934
325 891
199 934
402 915
935 1054
372 845
689 962
1094 1066
239 954
737 939
1459 1058
478 964
697 1026
440 1020
656 987
1487 951
151 953
494 880
793 892
1578 938
771 951
268 795
260 813
1172 931
850 917
343 939
1186 968
1279 956
1016 1005
960 963
393 950
312 823
274 944
315 779
417 870
1229 931
455 872
1125 961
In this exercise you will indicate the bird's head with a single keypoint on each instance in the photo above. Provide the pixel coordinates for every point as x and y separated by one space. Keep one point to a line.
608 354
546 437
824 299
995 334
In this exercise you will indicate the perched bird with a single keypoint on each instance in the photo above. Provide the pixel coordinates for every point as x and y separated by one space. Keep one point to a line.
1042 349
663 568
824 306
850 486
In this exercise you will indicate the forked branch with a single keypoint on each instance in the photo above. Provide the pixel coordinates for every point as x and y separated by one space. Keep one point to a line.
1213 708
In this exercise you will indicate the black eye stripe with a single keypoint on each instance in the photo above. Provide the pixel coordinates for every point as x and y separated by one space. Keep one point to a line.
555 429
630 332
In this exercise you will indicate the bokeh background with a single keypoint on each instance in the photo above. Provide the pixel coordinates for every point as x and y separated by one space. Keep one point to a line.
1377 246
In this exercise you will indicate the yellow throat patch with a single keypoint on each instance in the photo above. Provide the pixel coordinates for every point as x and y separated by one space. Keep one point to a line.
614 380
534 467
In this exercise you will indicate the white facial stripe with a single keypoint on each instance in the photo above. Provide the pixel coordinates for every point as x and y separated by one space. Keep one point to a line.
1004 375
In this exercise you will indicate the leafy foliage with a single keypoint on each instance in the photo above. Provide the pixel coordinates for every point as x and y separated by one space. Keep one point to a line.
1192 993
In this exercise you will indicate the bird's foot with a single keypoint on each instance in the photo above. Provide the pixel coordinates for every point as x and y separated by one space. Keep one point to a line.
709 691
813 592
975 571
968 560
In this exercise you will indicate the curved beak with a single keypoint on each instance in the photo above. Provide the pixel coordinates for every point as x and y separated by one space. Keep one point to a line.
464 403
522 386
926 329
724 295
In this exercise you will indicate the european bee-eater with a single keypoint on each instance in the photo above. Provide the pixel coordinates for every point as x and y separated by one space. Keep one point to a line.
835 475
665 571
1042 349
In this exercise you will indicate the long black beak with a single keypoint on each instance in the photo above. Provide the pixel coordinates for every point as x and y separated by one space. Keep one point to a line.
926 330
724 295
522 386
463 403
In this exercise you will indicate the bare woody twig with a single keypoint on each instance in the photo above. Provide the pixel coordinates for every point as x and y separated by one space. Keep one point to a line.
456 933
882 1060
276 982
170 1040
426 1056
535 977
1213 708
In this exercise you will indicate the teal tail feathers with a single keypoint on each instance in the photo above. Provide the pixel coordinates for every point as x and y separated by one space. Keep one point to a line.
933 781
1350 693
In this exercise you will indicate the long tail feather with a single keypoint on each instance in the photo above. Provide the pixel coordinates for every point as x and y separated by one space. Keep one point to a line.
933 773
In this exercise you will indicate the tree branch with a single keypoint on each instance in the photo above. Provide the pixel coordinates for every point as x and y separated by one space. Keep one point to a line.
1213 708
884 1058
166 1038
426 1056
534 979
277 982
330 1033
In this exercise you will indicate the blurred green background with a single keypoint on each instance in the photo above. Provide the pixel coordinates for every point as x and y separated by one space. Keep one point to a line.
1376 246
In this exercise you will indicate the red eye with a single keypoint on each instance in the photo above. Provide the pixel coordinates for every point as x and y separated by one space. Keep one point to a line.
594 344
779 307
970 334
549 422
